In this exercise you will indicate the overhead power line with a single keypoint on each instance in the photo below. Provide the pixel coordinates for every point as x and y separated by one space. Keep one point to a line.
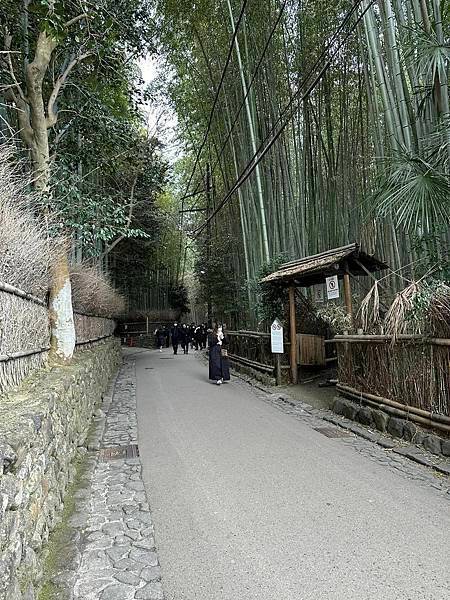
264 148
216 95
211 115
249 87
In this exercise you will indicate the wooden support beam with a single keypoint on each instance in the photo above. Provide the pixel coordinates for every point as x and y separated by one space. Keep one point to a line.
293 335
348 292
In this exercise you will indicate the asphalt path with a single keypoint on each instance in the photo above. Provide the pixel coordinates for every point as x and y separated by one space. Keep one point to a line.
250 503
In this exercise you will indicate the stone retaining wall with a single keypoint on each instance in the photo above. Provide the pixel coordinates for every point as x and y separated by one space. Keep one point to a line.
395 426
43 427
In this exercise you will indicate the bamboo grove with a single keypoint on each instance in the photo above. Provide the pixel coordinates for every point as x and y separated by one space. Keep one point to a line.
341 110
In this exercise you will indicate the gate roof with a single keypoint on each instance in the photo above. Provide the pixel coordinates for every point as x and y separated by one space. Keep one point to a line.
311 270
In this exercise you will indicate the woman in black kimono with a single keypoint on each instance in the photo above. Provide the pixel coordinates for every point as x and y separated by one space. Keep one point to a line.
219 369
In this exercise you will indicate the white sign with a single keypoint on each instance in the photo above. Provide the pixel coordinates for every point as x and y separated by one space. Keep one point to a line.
332 287
318 293
276 337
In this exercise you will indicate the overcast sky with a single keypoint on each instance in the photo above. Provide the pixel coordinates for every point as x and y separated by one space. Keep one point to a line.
162 121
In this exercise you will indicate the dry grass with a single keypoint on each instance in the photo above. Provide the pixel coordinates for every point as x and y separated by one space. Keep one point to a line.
396 320
369 310
93 294
25 248
438 316
421 308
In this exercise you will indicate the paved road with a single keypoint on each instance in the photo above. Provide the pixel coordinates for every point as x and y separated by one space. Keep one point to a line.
249 503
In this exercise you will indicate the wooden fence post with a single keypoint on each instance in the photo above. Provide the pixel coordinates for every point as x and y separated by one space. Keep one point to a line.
293 334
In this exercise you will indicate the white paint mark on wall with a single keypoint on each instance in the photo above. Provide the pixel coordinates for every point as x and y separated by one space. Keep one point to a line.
64 331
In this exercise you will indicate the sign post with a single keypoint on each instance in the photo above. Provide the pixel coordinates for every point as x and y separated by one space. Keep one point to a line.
332 287
277 346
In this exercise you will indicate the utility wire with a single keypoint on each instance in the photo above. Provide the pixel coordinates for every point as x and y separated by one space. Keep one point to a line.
216 95
249 87
263 149
316 64
211 115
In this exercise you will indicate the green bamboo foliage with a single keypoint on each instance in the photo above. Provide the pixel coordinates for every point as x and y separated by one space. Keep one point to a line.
363 158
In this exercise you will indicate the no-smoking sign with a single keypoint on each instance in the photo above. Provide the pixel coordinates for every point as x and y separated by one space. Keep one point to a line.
332 287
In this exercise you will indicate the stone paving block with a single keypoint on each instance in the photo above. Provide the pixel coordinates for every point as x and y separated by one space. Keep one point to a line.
151 573
118 591
148 557
152 591
118 559
128 578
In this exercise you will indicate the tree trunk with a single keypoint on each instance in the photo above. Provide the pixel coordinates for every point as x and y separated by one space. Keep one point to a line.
61 314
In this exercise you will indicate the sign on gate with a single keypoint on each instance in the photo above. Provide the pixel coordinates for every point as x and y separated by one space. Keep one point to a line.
318 293
276 337
332 287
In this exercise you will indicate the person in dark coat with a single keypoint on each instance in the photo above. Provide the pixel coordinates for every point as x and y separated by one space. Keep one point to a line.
219 370
176 337
203 336
184 332
160 338
198 338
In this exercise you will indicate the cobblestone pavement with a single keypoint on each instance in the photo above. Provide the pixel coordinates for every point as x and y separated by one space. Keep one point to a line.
117 559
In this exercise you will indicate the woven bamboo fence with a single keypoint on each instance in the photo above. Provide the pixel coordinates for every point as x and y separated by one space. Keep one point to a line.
413 371
24 335
252 349
90 329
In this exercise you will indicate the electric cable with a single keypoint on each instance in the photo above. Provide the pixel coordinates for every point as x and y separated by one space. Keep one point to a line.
249 87
263 149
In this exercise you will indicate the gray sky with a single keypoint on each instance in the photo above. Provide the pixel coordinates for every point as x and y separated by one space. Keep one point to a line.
162 121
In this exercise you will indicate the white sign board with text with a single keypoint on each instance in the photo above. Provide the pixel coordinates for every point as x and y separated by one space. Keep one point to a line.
276 337
332 287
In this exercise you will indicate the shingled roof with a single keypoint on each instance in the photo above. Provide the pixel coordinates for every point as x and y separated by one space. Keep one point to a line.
313 269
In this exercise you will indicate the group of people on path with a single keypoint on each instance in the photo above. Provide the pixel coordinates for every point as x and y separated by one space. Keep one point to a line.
194 336
198 337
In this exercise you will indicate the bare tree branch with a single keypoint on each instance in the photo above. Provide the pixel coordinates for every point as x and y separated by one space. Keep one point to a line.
130 216
52 116
7 43
75 20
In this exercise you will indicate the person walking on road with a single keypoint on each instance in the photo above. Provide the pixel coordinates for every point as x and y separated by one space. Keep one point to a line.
160 334
203 336
176 337
184 332
219 370
197 338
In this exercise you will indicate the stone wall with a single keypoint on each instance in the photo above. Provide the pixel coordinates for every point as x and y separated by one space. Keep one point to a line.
43 427
392 424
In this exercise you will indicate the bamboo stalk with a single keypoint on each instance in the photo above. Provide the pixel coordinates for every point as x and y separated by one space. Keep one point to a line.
16 355
251 363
